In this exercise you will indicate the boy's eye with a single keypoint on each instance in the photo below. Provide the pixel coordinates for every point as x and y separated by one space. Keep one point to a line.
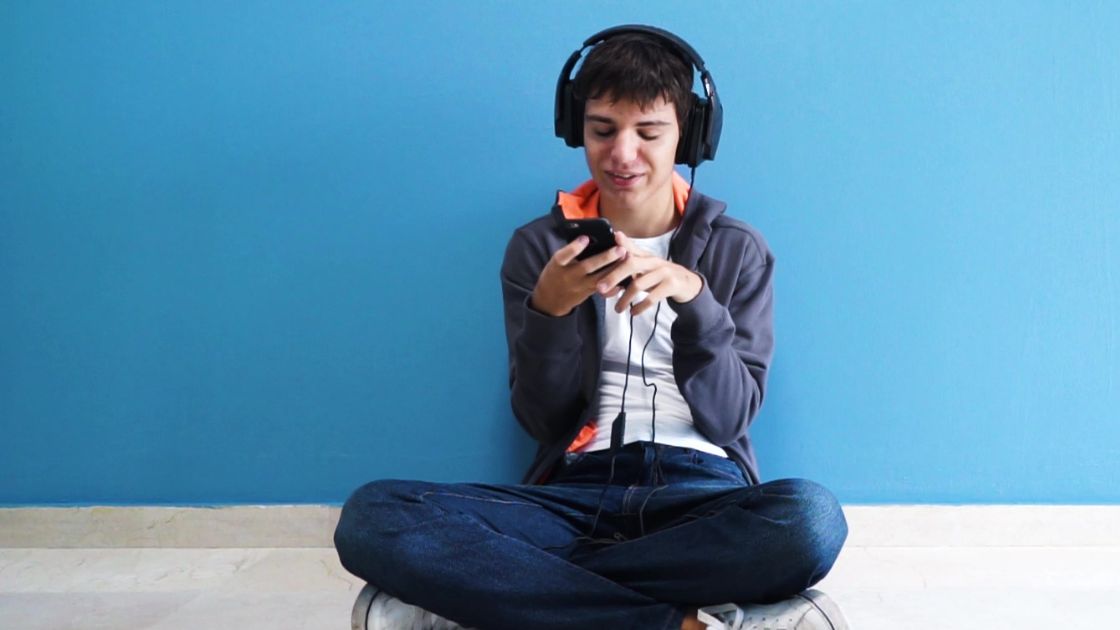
606 133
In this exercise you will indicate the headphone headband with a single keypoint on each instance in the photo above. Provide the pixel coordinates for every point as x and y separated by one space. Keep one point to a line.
681 45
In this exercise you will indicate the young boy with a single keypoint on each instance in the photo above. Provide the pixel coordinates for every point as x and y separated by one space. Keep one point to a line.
638 370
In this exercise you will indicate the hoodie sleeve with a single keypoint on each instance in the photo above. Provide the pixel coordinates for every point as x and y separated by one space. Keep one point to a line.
723 343
544 351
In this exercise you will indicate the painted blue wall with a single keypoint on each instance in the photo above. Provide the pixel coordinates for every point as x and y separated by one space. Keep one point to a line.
249 252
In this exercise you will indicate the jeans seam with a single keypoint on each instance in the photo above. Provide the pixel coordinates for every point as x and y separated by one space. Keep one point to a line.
429 493
423 496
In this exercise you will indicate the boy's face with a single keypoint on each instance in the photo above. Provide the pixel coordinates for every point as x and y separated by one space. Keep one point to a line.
630 153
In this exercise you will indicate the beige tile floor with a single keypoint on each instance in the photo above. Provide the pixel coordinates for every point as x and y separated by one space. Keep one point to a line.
880 588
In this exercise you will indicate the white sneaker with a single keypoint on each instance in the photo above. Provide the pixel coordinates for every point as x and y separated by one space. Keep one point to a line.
811 610
377 610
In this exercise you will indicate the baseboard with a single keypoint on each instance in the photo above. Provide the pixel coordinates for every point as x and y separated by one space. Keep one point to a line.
313 526
144 526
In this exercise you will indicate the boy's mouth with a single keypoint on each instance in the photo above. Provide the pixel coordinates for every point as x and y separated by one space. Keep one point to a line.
623 180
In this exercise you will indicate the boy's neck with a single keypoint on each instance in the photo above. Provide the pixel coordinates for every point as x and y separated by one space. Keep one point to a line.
654 219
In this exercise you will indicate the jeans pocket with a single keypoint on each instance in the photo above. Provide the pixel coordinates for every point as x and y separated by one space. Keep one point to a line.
720 467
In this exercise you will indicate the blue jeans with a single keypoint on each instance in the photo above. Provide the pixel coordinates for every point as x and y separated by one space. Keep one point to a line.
675 529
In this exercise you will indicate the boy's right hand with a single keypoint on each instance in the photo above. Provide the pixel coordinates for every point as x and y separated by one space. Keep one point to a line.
565 282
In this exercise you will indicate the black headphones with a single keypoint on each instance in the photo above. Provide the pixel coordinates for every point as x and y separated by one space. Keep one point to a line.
700 135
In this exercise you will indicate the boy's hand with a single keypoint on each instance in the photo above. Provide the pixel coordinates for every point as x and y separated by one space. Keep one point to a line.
565 282
659 277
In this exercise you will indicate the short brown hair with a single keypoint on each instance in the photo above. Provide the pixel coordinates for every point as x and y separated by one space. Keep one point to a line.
636 67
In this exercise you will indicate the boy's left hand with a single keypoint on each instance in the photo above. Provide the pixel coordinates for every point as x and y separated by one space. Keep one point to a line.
659 277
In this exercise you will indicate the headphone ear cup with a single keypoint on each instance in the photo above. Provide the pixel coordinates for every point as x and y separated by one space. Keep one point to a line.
571 118
692 135
575 125
713 128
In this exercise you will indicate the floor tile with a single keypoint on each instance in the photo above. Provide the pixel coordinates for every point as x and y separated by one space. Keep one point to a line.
879 588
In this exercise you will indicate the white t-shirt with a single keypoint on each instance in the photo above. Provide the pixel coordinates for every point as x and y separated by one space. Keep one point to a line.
674 419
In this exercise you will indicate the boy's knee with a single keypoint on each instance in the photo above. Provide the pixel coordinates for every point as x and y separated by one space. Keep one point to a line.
812 517
818 528
365 511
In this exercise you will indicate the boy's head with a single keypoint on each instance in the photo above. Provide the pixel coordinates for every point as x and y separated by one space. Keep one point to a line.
641 65
636 67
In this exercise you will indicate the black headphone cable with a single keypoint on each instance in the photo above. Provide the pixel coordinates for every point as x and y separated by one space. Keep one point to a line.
618 427
658 473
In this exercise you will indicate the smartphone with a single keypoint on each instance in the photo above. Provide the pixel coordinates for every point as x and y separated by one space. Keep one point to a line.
601 236
598 230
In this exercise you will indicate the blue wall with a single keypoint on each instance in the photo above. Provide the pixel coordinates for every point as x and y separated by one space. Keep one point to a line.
249 252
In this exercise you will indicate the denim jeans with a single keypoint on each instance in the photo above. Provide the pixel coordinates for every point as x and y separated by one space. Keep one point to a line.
675 529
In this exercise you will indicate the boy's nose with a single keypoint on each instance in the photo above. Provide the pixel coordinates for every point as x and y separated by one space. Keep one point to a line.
624 149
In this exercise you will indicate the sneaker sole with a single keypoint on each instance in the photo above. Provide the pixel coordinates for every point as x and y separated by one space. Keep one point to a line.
827 607
360 614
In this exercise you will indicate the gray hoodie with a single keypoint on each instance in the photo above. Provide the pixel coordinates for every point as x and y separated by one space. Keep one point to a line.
723 339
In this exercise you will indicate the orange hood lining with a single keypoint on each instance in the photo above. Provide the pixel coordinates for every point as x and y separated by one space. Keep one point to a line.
583 202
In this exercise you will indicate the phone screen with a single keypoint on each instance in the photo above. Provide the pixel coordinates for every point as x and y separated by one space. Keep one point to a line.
597 230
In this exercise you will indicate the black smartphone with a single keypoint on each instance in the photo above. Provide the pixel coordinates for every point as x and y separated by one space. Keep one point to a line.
598 230
601 236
